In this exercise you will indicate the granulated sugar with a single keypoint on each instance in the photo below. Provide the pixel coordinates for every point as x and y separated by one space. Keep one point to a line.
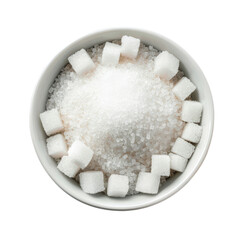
125 114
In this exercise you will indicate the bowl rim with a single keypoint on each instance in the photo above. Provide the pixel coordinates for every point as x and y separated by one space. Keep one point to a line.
182 183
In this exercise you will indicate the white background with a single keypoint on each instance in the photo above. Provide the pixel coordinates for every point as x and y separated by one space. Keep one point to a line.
32 206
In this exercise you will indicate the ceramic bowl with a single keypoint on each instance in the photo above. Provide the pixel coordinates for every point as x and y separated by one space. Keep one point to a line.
174 184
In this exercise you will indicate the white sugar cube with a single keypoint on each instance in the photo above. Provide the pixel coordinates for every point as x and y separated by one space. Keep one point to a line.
111 54
68 167
192 132
51 122
118 186
166 65
161 165
183 88
148 183
80 153
81 62
178 163
130 47
183 148
92 182
56 146
191 111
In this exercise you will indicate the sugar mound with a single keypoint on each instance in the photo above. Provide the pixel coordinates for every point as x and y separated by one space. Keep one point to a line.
124 113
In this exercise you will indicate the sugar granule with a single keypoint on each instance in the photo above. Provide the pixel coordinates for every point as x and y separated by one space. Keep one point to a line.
125 114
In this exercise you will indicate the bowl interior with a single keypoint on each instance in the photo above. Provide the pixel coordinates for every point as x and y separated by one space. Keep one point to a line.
202 94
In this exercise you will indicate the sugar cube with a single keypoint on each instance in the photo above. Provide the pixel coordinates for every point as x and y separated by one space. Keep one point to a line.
192 132
183 88
183 148
148 183
80 153
81 62
166 65
111 54
130 47
68 167
161 165
56 146
92 181
191 111
178 163
51 122
118 186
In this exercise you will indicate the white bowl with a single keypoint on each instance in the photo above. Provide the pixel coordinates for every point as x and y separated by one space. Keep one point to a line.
174 184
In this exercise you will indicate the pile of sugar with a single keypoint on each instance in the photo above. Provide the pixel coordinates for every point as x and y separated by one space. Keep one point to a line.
125 114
